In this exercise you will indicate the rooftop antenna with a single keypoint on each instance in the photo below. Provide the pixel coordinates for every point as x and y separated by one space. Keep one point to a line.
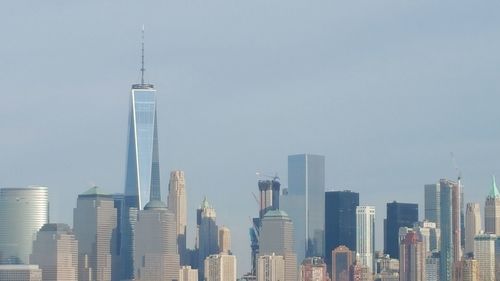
142 60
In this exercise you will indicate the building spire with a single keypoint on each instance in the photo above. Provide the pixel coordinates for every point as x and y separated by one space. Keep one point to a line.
494 190
142 58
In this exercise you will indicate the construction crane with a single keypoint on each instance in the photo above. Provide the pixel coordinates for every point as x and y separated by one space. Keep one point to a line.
454 162
275 177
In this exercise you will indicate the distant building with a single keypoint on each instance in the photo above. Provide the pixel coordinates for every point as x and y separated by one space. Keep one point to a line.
20 272
55 251
365 236
484 253
207 235
429 234
177 204
450 253
276 237
224 240
271 268
398 215
340 221
432 205
155 255
467 270
412 258
472 225
432 267
305 203
186 273
313 269
342 261
23 211
220 268
95 222
492 210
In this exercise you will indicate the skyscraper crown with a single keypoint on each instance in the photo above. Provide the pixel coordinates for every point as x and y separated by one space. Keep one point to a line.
494 190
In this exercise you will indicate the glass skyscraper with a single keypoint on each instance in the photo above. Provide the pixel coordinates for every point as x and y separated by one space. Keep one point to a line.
340 221
305 202
398 215
143 167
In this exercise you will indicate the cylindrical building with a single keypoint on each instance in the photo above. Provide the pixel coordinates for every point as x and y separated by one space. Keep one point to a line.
23 211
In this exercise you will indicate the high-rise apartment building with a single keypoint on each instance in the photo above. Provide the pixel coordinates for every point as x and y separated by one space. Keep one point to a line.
177 204
429 234
23 211
186 273
55 251
432 267
365 236
94 223
20 272
270 268
342 261
472 225
224 240
467 270
313 269
207 235
492 210
340 221
276 237
305 202
220 268
432 208
484 253
398 215
412 258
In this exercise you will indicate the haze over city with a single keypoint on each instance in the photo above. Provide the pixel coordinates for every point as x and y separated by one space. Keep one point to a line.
385 90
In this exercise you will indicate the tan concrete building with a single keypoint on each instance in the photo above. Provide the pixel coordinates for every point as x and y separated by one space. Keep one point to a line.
313 269
468 270
472 225
342 261
270 268
220 267
412 258
186 273
95 222
224 240
484 253
20 272
177 204
55 251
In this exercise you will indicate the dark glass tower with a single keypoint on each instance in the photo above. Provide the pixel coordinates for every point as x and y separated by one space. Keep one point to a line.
340 221
398 215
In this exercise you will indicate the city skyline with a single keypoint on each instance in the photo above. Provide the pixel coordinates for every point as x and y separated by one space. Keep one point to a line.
359 157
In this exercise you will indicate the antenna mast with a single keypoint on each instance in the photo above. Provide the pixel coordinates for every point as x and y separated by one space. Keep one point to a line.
142 58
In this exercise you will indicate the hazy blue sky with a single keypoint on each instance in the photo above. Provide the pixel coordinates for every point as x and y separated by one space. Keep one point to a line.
384 89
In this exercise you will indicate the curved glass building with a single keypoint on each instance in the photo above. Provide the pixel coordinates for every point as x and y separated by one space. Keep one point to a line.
23 211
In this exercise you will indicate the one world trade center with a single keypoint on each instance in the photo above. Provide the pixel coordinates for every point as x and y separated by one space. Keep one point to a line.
142 168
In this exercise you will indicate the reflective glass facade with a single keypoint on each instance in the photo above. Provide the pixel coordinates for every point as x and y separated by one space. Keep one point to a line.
398 215
305 203
23 211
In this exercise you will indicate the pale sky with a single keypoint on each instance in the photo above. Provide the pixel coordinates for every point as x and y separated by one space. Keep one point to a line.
384 89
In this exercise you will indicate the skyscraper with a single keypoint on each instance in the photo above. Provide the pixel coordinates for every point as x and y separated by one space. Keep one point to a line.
20 272
432 208
398 215
305 202
450 192
276 237
155 253
142 168
220 268
177 204
186 273
468 270
429 234
492 210
340 221
365 236
207 236
95 222
484 253
55 250
23 211
270 268
342 261
412 258
472 225
224 240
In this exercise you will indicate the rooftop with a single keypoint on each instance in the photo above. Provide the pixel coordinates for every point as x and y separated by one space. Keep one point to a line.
494 190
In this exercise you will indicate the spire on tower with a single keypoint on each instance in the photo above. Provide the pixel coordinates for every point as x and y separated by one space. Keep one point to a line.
142 58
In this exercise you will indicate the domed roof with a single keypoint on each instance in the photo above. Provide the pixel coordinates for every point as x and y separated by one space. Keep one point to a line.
275 214
155 204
